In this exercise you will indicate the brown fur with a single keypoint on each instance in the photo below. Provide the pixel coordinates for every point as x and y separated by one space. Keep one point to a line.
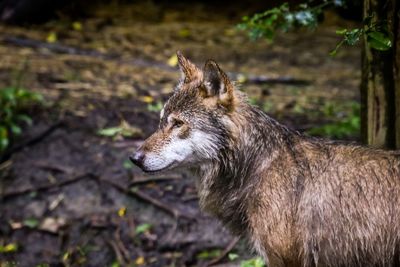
301 201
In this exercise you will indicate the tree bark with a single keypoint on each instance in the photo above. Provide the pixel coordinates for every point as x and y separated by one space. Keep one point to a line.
380 86
396 68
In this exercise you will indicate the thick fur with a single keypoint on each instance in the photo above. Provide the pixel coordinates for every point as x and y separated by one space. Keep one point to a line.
301 201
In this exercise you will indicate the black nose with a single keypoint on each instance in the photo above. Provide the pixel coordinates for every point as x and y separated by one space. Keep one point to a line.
137 158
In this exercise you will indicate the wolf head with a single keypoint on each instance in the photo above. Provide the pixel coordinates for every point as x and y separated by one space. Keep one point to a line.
195 123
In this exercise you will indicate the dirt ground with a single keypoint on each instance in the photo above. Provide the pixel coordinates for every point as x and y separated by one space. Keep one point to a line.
69 197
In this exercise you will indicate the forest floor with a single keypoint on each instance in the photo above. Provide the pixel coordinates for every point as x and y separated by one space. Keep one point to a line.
71 198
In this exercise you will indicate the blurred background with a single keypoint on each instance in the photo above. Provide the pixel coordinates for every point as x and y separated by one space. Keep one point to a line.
81 86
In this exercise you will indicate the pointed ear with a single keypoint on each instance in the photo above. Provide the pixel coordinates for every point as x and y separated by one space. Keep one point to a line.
189 70
217 83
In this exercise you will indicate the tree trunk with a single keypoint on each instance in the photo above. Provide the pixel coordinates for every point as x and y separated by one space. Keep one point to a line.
380 86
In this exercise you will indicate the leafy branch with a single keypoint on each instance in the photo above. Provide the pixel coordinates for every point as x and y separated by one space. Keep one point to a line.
377 35
283 19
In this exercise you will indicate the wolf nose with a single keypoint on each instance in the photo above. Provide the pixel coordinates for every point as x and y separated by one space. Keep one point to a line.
137 158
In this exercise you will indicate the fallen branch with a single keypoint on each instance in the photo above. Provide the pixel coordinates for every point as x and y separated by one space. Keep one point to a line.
120 244
31 141
45 187
154 179
52 167
118 254
143 196
6 164
137 194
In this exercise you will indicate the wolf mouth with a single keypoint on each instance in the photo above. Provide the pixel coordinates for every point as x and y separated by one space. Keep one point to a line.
169 166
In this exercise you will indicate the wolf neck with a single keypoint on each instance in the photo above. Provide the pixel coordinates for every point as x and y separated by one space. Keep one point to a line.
227 183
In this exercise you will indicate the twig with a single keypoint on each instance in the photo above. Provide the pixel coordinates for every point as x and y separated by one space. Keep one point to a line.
120 258
120 244
225 252
4 165
31 141
143 196
151 179
190 198
52 167
46 186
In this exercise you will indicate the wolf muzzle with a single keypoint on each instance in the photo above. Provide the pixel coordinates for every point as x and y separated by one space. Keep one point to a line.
137 158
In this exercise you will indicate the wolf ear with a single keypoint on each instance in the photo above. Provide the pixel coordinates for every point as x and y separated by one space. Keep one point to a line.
189 70
217 83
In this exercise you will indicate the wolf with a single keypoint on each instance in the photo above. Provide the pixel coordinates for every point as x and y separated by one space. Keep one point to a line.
301 201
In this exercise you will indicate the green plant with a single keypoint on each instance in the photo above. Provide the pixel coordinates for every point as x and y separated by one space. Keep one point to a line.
254 262
267 23
14 102
283 19
377 35
343 126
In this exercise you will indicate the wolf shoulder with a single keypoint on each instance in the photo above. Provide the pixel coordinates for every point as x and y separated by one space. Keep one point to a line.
314 163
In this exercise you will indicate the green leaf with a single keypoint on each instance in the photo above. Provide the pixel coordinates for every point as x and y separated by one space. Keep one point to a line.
25 118
77 26
353 36
8 94
379 40
9 248
127 164
31 222
142 228
37 97
124 129
4 141
207 254
184 33
52 37
112 131
255 262
233 256
341 31
15 129
305 18
334 51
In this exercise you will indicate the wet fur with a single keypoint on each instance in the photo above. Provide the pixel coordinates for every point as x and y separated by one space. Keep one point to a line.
305 201
301 201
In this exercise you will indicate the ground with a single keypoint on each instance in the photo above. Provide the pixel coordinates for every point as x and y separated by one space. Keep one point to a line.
70 197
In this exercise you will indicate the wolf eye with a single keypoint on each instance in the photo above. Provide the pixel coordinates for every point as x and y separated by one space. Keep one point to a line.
177 123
